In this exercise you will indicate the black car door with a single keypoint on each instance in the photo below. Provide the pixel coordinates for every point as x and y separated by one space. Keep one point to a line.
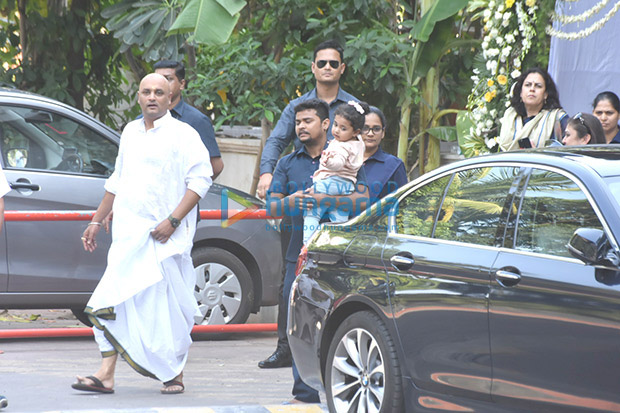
438 256
555 328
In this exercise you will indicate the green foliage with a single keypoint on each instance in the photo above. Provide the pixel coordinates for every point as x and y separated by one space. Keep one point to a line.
79 64
144 24
211 21
538 55
266 62
238 76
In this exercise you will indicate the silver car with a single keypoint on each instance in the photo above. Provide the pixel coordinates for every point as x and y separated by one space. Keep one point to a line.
58 158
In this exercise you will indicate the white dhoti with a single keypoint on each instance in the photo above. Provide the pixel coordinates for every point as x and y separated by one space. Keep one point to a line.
144 306
151 330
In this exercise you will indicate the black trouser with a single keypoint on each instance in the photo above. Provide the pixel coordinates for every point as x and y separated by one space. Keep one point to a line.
286 227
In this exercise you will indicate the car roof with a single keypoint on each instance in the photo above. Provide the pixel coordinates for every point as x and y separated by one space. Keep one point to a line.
6 92
22 97
604 159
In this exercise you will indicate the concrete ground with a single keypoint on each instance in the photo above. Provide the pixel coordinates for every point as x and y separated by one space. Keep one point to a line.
221 374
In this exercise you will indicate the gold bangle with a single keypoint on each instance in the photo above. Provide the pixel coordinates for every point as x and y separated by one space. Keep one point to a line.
95 223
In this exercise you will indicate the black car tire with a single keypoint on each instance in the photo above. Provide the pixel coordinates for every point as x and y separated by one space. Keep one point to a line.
81 316
224 288
365 335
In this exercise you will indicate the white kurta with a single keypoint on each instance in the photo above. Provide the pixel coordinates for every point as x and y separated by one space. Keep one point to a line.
147 285
4 184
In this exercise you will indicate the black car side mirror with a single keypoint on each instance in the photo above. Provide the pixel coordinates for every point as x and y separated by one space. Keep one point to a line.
591 246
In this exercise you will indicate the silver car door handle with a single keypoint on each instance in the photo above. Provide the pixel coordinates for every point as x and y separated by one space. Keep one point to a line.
401 263
507 278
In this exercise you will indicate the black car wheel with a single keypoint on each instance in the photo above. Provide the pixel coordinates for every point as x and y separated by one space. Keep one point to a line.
223 287
362 372
78 312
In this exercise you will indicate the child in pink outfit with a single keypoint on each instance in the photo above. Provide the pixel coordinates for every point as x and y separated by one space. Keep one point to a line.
340 163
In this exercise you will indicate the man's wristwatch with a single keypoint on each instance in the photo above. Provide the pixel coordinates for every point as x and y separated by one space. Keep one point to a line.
174 222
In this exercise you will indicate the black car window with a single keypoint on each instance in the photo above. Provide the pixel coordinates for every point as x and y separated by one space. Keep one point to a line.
416 212
553 207
39 139
473 207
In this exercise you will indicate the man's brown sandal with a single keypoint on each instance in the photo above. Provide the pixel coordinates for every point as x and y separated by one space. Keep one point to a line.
167 389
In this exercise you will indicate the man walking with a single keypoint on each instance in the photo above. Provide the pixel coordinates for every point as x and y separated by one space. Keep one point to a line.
174 72
327 67
292 179
143 307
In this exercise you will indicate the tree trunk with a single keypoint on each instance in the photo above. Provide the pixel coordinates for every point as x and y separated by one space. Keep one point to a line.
136 69
403 134
265 132
428 106
23 31
75 56
191 74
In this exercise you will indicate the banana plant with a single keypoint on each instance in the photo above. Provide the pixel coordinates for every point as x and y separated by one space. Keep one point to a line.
168 29
210 21
432 36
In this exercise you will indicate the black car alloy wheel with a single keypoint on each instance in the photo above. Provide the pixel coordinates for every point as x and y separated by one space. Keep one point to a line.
362 371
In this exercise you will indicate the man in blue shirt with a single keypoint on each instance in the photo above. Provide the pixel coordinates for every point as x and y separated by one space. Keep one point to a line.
174 72
289 190
327 67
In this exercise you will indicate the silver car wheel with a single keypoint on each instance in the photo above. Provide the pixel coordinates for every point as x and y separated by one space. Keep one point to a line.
218 293
357 373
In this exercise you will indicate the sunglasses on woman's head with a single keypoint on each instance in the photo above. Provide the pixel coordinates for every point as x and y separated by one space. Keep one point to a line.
333 63
581 120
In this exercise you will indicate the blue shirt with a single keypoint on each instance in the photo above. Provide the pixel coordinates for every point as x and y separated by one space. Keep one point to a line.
293 173
284 131
199 121
616 138
385 174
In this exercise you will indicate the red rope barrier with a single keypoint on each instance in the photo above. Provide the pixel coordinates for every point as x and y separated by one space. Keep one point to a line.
88 215
88 332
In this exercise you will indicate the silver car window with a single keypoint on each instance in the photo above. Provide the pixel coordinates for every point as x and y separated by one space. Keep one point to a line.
38 139
553 207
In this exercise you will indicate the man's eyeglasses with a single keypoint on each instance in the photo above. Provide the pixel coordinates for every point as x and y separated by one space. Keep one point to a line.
579 117
374 129
333 63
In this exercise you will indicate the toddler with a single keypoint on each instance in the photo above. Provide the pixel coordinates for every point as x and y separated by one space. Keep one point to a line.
339 164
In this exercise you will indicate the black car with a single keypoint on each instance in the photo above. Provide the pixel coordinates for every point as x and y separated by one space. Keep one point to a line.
492 284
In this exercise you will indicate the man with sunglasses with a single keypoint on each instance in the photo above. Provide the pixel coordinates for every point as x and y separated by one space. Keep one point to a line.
327 67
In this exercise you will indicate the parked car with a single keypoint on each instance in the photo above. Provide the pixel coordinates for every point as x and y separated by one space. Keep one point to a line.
58 158
491 284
